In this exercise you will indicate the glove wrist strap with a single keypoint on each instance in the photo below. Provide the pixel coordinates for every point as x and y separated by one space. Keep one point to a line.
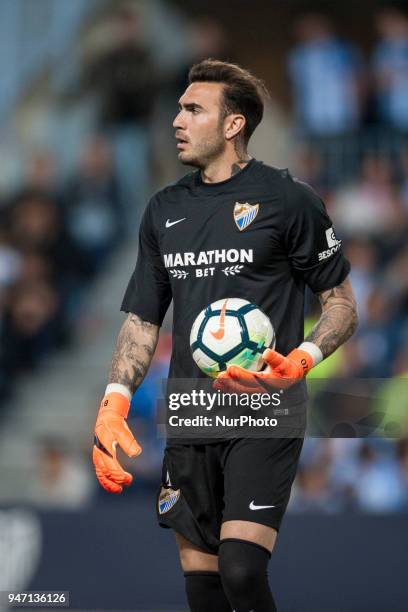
313 350
303 359
118 388
115 402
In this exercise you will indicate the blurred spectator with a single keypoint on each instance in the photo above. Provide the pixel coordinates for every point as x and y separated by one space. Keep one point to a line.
390 66
380 484
324 72
370 206
312 492
30 324
378 339
40 270
60 480
397 277
34 222
41 172
121 73
208 39
344 468
93 211
363 257
36 227
309 166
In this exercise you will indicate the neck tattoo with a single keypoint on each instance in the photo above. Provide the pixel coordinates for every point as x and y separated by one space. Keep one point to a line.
236 167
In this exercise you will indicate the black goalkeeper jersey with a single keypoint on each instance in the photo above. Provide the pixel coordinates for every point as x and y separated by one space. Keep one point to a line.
260 235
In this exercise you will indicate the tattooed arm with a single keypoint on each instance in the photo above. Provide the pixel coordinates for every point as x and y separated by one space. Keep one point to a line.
135 347
337 323
136 343
338 320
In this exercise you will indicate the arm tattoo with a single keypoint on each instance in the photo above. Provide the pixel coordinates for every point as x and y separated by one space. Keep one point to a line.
338 320
135 346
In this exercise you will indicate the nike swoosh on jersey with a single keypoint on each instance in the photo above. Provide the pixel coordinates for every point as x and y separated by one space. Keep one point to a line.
253 507
170 223
219 334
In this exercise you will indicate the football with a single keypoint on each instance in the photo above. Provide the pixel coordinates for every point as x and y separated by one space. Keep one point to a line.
230 331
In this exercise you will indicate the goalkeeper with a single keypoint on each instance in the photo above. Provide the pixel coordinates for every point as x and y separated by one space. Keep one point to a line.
225 499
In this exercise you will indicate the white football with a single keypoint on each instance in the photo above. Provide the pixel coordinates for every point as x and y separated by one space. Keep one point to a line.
230 331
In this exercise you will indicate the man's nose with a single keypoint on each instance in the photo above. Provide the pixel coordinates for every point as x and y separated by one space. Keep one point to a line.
178 121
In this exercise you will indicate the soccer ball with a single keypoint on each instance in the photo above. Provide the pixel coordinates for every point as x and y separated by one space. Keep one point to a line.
230 331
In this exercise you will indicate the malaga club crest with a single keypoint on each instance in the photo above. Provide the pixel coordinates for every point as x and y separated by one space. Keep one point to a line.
244 214
167 498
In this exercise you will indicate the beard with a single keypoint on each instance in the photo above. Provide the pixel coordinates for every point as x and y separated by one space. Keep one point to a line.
204 152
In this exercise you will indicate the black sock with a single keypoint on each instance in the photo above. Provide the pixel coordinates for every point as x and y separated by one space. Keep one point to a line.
243 571
205 593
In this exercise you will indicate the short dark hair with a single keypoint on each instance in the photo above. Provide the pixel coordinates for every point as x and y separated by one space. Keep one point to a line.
243 92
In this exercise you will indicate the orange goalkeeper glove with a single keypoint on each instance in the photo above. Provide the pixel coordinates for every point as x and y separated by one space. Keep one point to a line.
281 372
111 429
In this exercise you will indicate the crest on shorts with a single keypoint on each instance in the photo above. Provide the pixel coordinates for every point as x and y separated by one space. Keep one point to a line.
167 499
244 214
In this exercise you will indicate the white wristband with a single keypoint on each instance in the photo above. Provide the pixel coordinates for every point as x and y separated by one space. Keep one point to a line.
118 388
313 350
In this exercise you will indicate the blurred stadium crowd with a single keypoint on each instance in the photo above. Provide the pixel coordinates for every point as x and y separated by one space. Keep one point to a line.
349 140
351 123
54 240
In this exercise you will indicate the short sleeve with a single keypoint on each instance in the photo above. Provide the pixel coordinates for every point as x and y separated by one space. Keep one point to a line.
312 246
148 293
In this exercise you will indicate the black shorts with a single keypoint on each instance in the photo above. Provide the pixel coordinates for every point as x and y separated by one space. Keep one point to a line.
204 485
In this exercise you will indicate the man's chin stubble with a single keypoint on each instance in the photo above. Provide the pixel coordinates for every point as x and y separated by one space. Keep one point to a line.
189 161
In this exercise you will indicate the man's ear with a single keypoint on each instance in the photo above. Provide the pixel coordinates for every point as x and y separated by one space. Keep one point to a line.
234 124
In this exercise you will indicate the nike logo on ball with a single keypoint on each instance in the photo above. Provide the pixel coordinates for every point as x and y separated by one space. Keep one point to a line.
253 507
219 334
170 223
